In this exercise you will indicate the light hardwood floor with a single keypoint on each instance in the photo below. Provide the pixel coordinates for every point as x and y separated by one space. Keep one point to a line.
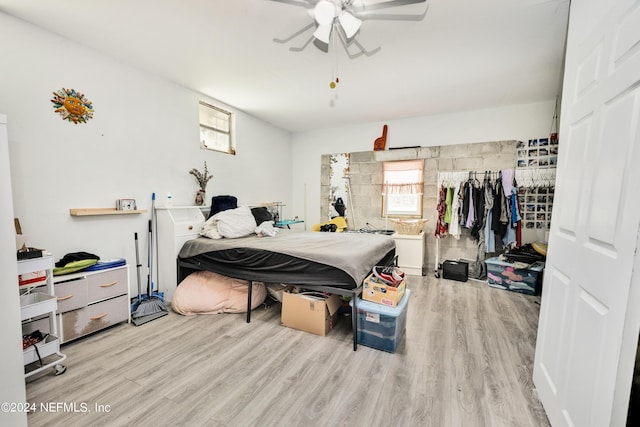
465 360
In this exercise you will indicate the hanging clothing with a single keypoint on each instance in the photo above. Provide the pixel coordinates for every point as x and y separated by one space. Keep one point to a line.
441 226
489 234
515 213
454 226
471 216
509 238
449 203
465 203
519 227
496 210
478 208
508 176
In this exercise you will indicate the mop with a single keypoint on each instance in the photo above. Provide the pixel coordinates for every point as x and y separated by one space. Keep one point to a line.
153 306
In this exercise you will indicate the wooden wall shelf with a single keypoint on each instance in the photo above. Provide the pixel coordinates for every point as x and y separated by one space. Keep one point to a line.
101 211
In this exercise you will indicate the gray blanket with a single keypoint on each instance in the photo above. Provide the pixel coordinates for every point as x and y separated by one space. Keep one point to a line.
354 253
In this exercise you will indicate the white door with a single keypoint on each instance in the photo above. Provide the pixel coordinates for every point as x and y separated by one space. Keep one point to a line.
596 215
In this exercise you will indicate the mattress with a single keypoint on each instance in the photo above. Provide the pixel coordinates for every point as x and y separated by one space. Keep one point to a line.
341 260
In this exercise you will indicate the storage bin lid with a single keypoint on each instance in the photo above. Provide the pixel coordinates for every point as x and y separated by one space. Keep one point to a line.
536 266
374 307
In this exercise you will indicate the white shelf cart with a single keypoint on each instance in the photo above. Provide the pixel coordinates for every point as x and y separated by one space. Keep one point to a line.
34 304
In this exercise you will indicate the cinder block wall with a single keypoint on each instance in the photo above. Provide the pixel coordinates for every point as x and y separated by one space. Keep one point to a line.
365 171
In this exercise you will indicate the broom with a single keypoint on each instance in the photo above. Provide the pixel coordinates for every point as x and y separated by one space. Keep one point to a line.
153 307
140 297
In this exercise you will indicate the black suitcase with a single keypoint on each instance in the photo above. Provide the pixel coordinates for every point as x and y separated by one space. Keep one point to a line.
455 270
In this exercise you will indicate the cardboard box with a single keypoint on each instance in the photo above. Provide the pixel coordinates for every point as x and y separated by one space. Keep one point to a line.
310 312
380 326
375 290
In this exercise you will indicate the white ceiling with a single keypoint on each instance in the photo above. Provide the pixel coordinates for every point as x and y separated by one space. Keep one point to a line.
463 55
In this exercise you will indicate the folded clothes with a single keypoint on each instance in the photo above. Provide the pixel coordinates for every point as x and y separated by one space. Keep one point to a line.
76 256
73 267
102 265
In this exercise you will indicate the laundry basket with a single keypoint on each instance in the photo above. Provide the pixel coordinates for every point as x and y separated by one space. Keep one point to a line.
408 226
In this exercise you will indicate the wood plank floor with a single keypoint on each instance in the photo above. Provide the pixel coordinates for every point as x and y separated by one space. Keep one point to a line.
466 360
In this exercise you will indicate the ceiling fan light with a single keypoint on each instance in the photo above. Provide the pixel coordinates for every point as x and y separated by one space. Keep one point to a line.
324 12
322 33
350 24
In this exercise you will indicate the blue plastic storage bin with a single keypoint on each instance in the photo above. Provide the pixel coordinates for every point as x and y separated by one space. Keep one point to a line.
380 326
504 275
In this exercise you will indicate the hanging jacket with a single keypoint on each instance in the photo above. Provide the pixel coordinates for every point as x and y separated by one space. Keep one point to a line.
441 226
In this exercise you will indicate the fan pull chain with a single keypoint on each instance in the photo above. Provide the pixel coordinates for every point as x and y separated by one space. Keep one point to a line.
334 77
553 136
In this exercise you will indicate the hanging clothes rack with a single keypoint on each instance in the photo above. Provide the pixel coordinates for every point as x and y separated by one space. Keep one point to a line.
534 178
455 179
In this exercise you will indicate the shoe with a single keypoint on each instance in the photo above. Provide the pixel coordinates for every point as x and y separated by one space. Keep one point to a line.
391 276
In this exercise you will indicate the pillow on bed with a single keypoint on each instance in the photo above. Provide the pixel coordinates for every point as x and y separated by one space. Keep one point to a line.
261 214
237 222
206 292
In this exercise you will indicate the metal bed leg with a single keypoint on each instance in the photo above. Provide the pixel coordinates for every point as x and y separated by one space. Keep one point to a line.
354 321
250 285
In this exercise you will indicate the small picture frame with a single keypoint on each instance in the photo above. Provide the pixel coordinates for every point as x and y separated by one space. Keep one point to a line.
126 205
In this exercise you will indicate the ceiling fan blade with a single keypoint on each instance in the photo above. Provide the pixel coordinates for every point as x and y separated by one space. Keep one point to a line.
294 35
365 7
392 16
301 48
323 33
362 49
365 51
350 24
346 47
303 3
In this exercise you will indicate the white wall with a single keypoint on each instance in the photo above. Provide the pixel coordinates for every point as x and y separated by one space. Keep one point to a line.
143 139
519 122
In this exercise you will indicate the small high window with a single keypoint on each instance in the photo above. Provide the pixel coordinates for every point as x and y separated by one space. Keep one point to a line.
402 188
216 129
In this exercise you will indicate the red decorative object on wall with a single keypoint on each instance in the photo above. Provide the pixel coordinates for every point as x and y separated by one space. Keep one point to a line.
380 143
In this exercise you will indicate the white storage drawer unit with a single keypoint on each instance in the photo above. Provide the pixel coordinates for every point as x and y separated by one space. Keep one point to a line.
91 301
176 225
72 295
107 284
411 251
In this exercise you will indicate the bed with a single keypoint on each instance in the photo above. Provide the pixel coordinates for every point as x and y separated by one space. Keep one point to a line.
336 263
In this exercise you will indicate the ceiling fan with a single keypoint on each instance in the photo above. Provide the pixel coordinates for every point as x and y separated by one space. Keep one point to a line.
341 20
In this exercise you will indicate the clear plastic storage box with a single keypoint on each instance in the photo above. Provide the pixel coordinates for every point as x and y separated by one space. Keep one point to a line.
380 326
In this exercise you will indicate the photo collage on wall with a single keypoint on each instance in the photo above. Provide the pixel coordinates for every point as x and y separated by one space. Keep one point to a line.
536 204
538 153
538 158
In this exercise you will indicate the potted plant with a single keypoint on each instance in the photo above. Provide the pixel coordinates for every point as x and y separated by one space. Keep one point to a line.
202 178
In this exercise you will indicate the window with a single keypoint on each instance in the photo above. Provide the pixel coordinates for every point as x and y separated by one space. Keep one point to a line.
402 188
216 129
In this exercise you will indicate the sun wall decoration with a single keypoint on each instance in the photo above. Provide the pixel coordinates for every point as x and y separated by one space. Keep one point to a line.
72 106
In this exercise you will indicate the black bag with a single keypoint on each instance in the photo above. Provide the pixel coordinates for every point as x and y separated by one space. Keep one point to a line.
339 206
455 270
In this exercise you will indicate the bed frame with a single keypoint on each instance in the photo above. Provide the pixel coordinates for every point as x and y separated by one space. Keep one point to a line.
184 268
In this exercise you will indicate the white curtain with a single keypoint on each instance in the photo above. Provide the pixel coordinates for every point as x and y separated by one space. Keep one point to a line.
403 177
